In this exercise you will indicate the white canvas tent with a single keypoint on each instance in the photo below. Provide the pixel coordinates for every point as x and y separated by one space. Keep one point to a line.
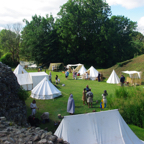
131 74
93 73
32 66
113 79
107 127
26 64
69 65
25 81
19 70
29 80
45 90
37 77
82 70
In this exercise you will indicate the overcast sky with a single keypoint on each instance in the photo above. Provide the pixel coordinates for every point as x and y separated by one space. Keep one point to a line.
14 11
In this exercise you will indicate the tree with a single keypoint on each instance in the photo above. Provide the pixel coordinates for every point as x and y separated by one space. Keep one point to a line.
119 36
40 40
80 23
10 40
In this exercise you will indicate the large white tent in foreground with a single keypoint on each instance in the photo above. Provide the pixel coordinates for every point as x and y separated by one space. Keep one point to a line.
19 70
113 79
93 73
45 90
82 70
107 127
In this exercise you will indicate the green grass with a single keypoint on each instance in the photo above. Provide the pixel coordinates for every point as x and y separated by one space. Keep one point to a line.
59 105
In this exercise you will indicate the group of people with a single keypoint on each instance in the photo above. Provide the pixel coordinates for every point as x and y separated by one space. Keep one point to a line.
86 98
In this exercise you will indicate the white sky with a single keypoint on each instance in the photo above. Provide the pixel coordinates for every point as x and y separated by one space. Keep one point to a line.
14 11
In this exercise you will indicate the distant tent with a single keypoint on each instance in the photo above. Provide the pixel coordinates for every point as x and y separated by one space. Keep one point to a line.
19 70
106 127
73 65
57 66
32 66
93 73
25 64
113 79
45 90
82 70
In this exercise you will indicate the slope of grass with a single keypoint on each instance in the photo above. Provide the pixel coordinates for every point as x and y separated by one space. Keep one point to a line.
136 64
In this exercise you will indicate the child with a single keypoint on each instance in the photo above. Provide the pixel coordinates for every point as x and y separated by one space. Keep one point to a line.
58 80
104 98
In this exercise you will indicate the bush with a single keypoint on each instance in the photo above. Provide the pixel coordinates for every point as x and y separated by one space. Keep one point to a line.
130 101
23 94
6 59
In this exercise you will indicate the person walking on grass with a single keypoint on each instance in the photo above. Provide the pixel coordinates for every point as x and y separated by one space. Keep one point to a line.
122 80
33 107
71 105
84 97
56 79
66 74
50 76
89 96
104 98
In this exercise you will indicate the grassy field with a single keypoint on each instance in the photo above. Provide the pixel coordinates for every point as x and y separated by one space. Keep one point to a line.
59 105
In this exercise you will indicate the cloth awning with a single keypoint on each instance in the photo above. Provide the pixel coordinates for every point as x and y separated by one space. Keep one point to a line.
131 74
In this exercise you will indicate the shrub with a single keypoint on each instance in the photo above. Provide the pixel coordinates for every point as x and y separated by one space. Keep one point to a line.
130 101
23 94
6 59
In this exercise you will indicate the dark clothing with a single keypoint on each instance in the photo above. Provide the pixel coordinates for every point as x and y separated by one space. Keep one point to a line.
87 89
99 77
122 79
56 77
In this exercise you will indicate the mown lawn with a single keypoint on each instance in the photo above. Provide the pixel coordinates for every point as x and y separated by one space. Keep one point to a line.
59 105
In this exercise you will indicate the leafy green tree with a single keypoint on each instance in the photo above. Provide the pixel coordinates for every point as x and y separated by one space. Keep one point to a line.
10 41
40 41
120 38
80 24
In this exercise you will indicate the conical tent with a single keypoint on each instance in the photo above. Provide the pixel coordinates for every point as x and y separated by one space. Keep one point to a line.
113 79
19 70
82 70
93 73
107 127
45 90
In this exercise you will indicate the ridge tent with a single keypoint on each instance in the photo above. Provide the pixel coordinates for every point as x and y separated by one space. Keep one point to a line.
78 68
19 70
25 81
82 70
57 66
135 77
93 73
45 90
37 77
113 79
107 127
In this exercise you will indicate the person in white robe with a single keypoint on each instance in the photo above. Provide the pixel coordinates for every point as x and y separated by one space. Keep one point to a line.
33 107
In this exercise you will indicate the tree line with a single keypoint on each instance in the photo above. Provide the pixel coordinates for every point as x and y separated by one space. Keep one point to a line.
83 32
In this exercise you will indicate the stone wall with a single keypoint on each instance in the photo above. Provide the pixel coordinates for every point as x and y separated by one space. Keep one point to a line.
11 106
10 133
